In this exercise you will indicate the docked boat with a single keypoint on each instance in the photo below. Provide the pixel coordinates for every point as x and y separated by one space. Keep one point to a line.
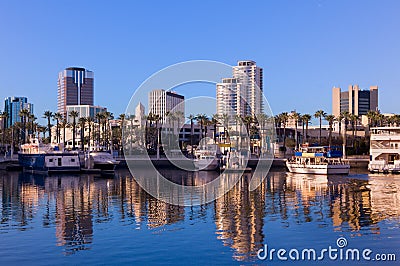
102 161
318 160
36 157
207 157
384 150
206 162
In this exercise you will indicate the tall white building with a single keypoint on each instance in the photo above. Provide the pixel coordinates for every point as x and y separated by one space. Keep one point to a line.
243 93
228 101
251 77
161 102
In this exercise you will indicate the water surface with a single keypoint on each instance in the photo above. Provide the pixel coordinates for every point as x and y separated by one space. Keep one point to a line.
71 219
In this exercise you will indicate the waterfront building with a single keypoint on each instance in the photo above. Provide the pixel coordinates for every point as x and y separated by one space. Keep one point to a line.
230 98
241 94
162 102
13 105
84 111
354 101
251 77
75 87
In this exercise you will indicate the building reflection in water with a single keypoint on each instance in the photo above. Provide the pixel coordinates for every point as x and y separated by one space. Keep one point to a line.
239 217
73 205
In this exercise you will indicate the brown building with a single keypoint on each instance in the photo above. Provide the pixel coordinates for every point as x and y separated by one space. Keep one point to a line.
75 87
354 101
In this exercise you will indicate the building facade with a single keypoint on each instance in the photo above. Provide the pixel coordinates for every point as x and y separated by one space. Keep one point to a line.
75 87
161 102
84 111
354 101
242 94
251 77
13 105
230 98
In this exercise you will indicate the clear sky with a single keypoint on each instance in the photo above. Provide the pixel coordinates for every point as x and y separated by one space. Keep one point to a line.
305 47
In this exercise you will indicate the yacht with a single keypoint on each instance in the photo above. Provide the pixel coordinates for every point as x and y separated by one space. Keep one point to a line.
37 157
384 150
207 157
101 160
318 160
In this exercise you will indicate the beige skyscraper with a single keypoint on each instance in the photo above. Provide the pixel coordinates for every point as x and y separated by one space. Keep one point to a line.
354 101
161 102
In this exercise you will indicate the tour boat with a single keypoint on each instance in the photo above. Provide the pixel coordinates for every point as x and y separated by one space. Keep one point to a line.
384 150
36 157
318 160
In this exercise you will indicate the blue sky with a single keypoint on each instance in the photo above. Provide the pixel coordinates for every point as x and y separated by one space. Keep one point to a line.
305 47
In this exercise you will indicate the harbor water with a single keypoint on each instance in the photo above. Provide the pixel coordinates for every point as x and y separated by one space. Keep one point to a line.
89 219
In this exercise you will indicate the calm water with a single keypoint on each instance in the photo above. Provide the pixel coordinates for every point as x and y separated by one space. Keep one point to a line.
96 220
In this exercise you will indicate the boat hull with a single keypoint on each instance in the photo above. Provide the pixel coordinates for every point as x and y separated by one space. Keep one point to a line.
50 163
206 165
319 169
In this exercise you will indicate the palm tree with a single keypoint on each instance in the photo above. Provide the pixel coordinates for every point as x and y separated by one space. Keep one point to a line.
99 119
214 121
201 118
42 129
339 119
32 118
4 116
295 116
354 119
48 115
262 120
248 120
191 118
121 117
73 115
107 117
82 123
90 121
63 124
396 120
24 113
306 120
330 119
320 114
283 118
346 116
57 117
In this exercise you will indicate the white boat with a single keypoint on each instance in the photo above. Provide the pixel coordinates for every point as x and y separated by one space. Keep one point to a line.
384 150
318 160
101 160
206 158
37 157
206 162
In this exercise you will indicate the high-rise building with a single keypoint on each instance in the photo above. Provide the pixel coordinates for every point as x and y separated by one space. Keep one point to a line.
243 93
251 77
161 102
229 101
354 101
75 87
13 105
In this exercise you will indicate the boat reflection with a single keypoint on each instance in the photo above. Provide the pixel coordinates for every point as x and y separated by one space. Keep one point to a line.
75 204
